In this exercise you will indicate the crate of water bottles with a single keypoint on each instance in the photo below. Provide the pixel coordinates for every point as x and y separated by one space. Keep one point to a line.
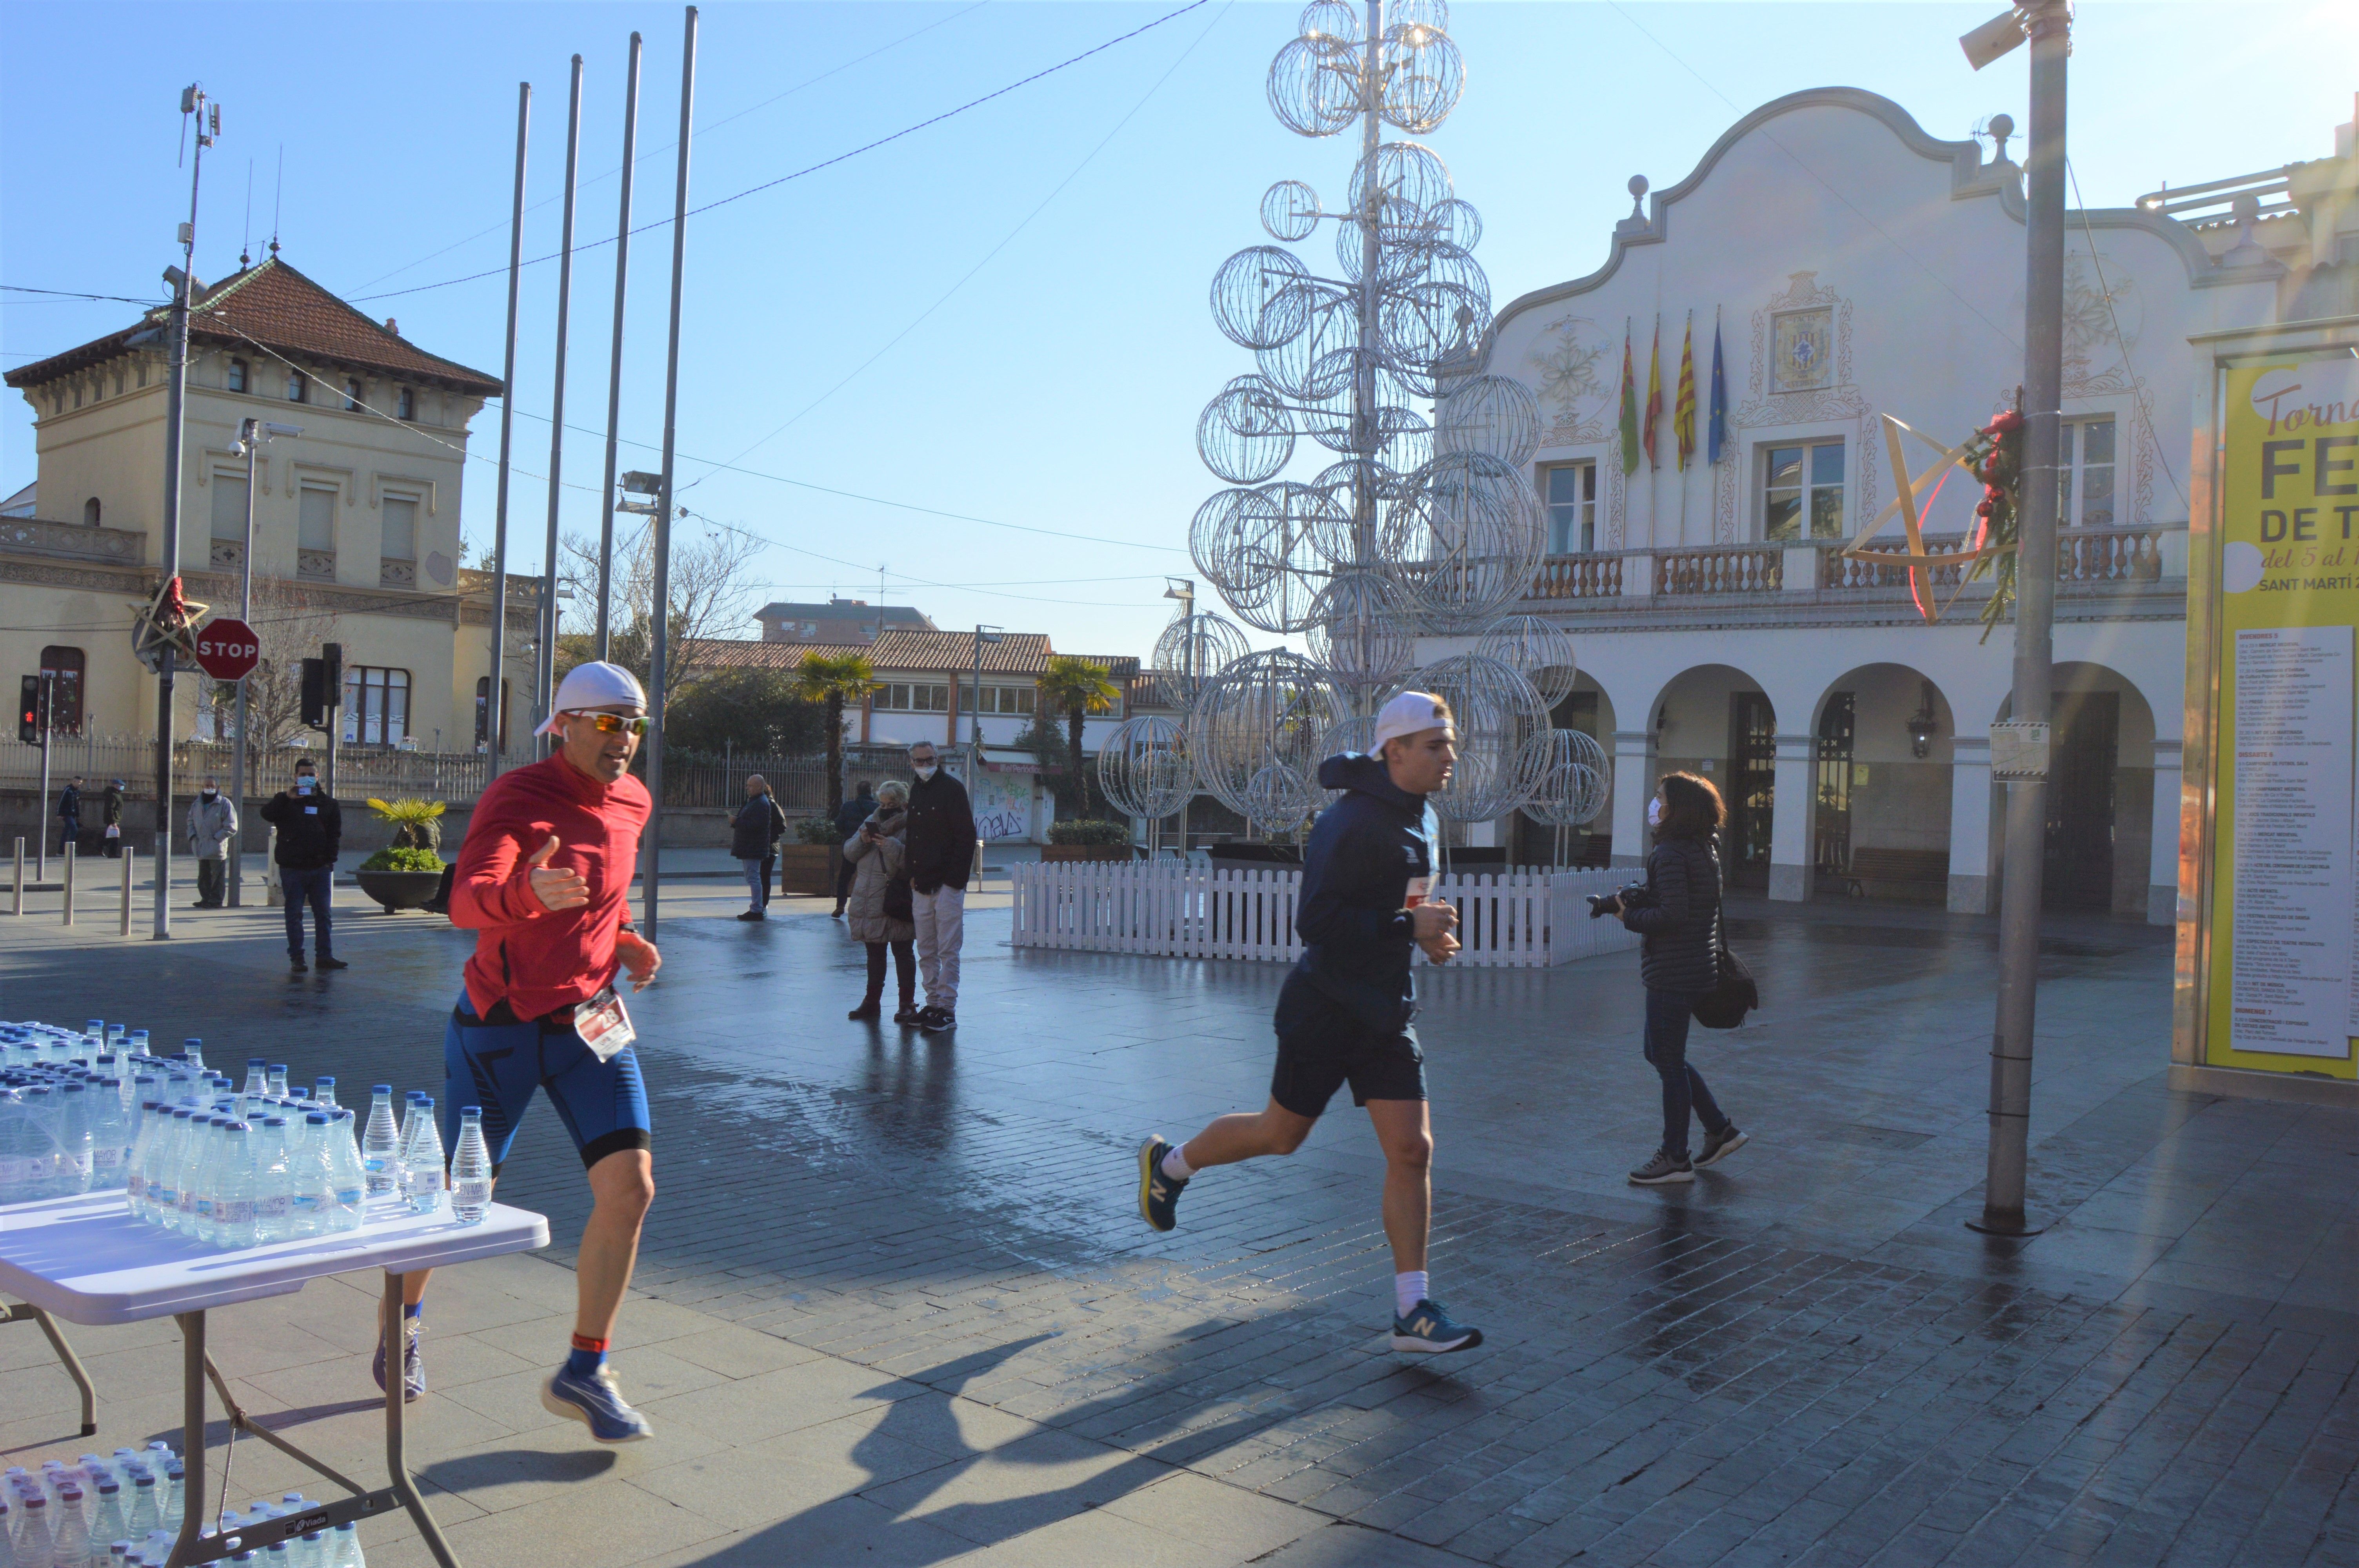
107 1512
228 1164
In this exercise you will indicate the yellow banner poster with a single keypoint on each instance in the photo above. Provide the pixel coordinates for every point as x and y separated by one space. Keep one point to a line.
2284 989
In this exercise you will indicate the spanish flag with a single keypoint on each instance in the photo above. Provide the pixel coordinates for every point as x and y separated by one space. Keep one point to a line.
1683 408
1654 395
1629 408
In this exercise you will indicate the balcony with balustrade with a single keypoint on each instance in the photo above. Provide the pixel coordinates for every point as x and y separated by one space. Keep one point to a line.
2100 573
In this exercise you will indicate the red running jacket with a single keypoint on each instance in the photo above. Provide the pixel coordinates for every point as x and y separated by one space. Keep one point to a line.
534 960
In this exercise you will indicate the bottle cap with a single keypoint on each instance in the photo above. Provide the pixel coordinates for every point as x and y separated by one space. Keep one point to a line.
316 1118
273 1121
380 1088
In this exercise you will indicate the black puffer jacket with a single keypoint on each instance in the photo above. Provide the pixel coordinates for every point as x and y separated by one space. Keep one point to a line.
1680 953
755 832
1354 919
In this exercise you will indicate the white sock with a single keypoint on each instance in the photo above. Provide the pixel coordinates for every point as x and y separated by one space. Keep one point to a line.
1408 1289
1177 1169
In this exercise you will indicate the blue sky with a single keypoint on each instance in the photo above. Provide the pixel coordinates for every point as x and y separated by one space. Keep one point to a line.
1002 315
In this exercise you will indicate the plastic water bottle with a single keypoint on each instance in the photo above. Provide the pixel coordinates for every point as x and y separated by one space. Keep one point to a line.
195 1052
75 1144
33 1543
350 1181
323 1092
421 1160
107 1524
381 1144
163 1162
146 1513
277 1078
176 1503
233 1191
348 1547
71 1544
274 1182
29 1155
471 1169
198 1213
139 1043
110 1135
311 1183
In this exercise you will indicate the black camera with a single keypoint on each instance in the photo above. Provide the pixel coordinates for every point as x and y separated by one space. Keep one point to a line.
1634 895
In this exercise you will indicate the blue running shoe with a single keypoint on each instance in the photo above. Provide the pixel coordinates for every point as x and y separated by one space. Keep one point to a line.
596 1403
1158 1195
1427 1329
413 1364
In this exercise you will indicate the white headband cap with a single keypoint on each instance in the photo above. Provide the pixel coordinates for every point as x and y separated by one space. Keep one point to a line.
1406 714
595 684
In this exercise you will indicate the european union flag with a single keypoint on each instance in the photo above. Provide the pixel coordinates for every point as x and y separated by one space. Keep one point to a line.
1717 435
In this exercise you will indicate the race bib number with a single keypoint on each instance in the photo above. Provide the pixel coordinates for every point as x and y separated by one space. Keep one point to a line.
605 1024
1419 887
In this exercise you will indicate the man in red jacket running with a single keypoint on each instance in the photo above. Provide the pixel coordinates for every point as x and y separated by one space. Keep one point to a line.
544 881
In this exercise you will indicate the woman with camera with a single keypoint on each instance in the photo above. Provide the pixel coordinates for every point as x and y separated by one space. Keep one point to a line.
880 912
1677 911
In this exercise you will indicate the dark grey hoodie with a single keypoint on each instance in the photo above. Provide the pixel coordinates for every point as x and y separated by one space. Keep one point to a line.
1355 873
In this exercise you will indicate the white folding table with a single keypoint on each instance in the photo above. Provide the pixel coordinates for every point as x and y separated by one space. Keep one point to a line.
87 1261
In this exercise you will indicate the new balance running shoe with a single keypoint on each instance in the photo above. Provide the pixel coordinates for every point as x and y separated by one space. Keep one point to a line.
1158 1195
597 1403
413 1364
1427 1330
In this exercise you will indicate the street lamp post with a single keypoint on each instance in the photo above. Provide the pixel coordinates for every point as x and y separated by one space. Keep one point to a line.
975 709
253 435
2048 24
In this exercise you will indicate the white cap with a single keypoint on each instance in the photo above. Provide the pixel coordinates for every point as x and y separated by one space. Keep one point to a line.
595 684
1406 714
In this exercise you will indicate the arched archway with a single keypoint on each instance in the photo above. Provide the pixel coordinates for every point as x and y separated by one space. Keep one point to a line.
1715 720
2105 771
1881 800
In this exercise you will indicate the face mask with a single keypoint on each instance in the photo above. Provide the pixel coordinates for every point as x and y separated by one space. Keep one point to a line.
209 794
927 771
1655 812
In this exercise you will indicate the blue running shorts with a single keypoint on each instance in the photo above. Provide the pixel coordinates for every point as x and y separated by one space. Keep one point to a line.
497 1062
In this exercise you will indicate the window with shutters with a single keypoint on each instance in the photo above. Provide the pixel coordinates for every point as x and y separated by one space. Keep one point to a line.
398 558
315 534
228 520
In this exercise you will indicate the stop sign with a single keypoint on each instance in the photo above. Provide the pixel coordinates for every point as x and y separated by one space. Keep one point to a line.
227 648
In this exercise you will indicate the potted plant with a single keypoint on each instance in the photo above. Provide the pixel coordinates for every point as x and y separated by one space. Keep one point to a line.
408 873
400 878
1084 840
807 866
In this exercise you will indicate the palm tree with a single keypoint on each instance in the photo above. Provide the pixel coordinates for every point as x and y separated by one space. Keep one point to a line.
1079 687
834 679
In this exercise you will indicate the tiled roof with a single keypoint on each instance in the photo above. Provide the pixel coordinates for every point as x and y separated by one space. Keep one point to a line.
928 653
275 306
905 614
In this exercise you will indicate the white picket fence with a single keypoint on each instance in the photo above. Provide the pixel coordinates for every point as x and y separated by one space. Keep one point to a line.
1515 920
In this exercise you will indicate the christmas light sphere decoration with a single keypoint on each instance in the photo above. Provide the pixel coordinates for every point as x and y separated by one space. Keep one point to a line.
1142 767
1495 712
1421 519
1267 709
1537 646
1191 651
1571 781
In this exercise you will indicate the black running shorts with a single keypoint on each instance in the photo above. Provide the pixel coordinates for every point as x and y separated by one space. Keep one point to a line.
1321 1047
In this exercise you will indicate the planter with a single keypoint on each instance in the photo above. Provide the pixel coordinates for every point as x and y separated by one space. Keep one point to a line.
809 868
1087 852
398 891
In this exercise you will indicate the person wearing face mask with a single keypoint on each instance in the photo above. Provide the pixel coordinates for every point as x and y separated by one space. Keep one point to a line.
310 832
941 844
212 820
1679 960
1344 1015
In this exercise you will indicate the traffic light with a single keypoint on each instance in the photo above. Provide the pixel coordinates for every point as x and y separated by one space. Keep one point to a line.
28 711
323 686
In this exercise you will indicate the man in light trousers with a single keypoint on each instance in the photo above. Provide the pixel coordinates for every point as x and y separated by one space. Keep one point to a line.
942 845
212 822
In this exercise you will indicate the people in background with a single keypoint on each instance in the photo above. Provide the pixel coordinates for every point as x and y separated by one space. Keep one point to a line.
110 807
848 818
1679 917
754 835
212 818
881 910
310 832
70 813
941 841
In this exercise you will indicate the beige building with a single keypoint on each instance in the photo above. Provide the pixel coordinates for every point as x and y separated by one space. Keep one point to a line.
355 521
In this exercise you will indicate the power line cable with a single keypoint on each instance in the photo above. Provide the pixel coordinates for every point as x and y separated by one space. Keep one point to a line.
813 169
919 319
701 131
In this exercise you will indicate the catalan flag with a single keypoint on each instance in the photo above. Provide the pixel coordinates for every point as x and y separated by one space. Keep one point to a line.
1629 407
1683 405
1716 431
1654 396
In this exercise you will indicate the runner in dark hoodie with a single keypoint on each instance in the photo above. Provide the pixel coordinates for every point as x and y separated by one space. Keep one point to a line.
1343 1015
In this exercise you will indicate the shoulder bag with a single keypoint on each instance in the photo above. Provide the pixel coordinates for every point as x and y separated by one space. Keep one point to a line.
1734 993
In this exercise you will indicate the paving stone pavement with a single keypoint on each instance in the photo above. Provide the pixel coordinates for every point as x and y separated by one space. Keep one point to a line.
1802 1359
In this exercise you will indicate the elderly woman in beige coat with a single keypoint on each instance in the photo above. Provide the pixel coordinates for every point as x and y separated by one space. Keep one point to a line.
878 912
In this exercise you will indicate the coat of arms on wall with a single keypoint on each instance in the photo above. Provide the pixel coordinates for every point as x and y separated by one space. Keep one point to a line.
1802 350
